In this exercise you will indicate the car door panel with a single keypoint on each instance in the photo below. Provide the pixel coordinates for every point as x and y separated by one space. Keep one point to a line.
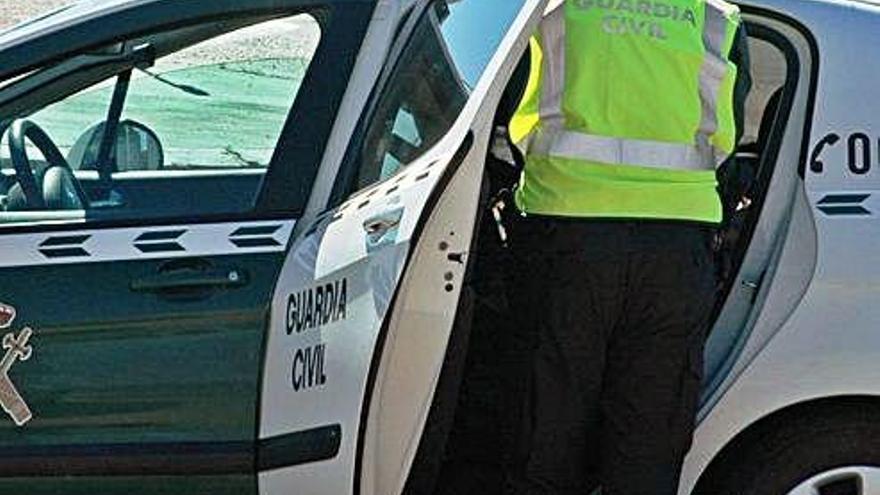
166 194
366 243
338 252
152 485
139 381
408 364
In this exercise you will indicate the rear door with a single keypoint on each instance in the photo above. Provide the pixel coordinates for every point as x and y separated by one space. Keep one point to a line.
430 117
148 311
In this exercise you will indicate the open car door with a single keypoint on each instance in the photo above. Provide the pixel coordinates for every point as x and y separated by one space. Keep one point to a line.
348 382
415 341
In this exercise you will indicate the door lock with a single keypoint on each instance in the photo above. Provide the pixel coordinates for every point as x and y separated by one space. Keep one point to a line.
457 257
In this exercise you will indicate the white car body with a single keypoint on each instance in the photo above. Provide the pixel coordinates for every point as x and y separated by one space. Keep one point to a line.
810 334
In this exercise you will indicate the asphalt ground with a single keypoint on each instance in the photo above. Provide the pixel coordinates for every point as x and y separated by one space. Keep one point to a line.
14 11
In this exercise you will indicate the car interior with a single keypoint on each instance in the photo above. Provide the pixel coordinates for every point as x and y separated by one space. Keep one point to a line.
480 432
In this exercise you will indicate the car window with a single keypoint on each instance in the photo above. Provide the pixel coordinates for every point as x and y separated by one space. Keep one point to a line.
220 103
443 61
197 129
224 102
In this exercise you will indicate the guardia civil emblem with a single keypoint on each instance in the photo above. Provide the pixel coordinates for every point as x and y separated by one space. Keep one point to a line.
7 315
17 349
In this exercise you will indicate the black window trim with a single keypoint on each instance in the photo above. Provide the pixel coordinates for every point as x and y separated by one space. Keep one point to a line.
344 184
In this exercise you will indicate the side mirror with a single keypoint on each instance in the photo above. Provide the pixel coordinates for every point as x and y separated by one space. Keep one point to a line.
137 148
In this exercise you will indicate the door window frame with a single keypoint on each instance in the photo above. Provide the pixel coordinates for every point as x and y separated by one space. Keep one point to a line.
801 53
346 177
293 166
345 184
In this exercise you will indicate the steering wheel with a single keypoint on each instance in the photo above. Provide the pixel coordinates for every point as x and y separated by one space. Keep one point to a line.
33 191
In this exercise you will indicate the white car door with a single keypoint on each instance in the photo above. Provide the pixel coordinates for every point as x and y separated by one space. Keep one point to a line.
413 172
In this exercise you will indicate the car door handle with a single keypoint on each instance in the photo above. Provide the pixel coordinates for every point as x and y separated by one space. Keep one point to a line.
378 227
382 229
177 280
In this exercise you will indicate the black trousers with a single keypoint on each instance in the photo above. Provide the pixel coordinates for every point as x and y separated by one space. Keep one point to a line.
619 313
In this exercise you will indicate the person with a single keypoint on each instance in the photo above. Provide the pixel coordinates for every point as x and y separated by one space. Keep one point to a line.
630 108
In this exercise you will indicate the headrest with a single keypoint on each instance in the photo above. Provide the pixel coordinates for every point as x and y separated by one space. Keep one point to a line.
769 118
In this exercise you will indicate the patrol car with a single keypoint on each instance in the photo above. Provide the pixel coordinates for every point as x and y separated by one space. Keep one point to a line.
249 247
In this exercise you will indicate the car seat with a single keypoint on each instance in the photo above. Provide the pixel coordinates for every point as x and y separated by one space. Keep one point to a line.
738 179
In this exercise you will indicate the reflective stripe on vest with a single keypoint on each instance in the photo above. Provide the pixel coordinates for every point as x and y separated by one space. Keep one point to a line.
618 151
714 36
553 139
552 33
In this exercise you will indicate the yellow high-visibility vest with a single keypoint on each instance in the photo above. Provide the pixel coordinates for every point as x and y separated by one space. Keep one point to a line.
628 109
